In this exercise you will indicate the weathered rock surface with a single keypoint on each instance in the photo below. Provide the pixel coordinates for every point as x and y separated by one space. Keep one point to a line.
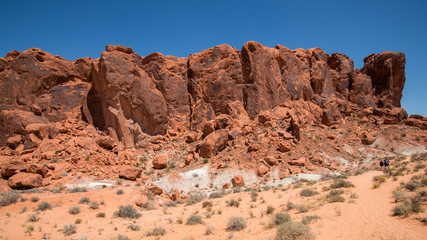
25 180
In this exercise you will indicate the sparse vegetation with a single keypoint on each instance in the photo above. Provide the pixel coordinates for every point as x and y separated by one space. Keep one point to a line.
33 218
127 211
195 198
270 209
217 194
94 205
335 196
280 218
302 208
207 204
405 209
412 185
134 227
157 231
74 210
194 219
100 215
120 192
84 200
308 193
341 183
294 231
43 206
9 198
233 203
236 224
78 189
69 229
35 199
308 219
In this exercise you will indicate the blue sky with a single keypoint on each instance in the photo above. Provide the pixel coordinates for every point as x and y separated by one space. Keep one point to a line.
75 29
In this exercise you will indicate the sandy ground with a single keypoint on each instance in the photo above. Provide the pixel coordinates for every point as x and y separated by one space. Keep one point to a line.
368 218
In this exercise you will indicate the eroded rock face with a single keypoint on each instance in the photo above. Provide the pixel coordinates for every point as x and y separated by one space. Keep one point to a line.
387 71
131 98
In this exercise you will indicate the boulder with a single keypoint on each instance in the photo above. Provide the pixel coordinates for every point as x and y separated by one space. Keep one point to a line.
37 168
254 148
141 200
25 180
238 181
208 128
213 143
271 160
285 147
13 168
160 161
367 138
130 173
298 162
155 189
176 195
262 170
106 142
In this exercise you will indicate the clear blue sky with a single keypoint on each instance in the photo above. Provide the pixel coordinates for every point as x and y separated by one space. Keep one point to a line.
75 29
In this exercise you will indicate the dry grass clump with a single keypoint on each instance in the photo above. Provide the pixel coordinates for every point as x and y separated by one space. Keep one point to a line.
127 212
194 219
294 231
157 231
9 198
236 224
69 229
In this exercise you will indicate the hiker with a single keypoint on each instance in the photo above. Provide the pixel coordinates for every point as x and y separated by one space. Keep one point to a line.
386 163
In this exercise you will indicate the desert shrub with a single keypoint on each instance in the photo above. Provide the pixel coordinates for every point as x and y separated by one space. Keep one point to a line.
127 211
33 218
412 185
405 209
335 196
69 229
35 199
74 210
194 219
400 196
77 189
424 181
122 237
218 194
254 196
195 198
78 221
294 231
290 205
341 183
419 166
94 205
280 218
302 208
207 204
209 229
9 198
43 206
236 224
307 219
157 231
84 200
233 203
308 193
270 209
134 227
100 215
120 192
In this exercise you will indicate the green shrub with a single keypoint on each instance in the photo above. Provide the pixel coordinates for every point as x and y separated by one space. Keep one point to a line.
35 199
308 193
100 215
43 206
290 205
94 205
9 198
120 192
78 221
294 231
157 231
280 218
74 210
127 212
122 237
270 209
335 196
236 224
194 219
206 204
69 229
234 203
84 200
